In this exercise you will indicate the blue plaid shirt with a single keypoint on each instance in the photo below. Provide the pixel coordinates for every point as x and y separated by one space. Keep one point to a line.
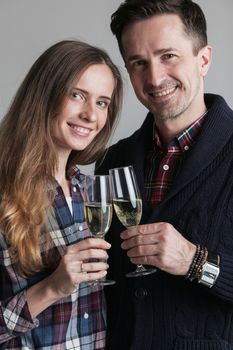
74 322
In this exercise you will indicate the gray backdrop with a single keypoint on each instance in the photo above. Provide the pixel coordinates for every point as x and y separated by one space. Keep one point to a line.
28 27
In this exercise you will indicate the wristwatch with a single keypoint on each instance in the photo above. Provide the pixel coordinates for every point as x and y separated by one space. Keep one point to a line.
210 270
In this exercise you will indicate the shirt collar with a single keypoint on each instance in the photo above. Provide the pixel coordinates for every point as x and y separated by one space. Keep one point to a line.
75 176
185 139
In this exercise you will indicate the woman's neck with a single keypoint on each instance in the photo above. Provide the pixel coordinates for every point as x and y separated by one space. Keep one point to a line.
60 175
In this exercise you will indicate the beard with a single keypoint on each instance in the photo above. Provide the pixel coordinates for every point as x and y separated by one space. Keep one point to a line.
169 110
175 106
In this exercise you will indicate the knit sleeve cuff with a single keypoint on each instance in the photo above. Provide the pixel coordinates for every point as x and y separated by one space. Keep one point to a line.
224 284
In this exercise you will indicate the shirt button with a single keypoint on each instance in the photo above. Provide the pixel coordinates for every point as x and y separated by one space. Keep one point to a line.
86 315
74 189
186 148
165 167
140 293
80 227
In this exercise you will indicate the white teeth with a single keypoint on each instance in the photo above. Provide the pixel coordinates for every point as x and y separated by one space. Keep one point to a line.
80 129
83 130
164 92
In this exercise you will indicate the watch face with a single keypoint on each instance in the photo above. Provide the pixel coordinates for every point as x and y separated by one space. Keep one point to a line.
209 274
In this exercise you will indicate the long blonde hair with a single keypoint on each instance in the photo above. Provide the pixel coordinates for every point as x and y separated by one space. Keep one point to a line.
27 157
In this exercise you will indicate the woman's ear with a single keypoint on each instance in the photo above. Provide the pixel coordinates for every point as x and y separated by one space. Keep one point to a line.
205 55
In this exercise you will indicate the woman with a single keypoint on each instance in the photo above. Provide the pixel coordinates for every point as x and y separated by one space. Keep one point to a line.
61 116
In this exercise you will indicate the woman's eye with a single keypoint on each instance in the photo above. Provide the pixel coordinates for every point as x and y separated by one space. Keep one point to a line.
103 104
77 95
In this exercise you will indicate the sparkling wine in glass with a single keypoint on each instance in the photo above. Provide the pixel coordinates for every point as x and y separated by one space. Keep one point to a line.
128 205
98 208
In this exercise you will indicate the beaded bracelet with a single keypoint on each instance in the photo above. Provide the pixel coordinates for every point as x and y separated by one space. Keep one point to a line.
199 266
193 264
197 263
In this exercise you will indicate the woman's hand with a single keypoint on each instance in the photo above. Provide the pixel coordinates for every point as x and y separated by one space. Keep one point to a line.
83 261
79 265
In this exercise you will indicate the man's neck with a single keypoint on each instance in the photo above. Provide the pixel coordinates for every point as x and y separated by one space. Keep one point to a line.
170 128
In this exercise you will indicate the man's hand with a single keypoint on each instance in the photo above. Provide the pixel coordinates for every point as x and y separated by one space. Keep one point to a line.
159 244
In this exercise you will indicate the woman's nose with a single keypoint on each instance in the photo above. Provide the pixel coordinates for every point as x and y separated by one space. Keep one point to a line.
88 111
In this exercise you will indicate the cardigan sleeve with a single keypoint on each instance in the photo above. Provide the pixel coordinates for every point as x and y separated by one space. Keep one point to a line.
223 287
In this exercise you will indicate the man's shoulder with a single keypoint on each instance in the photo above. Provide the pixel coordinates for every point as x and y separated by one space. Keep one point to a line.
217 103
125 142
140 133
122 152
117 154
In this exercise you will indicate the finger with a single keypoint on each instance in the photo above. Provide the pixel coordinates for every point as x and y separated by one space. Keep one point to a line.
93 254
94 266
130 232
140 240
86 255
143 251
151 228
85 276
92 276
146 260
143 229
87 244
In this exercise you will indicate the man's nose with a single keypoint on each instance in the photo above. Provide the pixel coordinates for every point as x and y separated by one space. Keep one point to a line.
155 74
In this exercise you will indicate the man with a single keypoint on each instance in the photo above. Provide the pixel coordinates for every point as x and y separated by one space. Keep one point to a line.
183 158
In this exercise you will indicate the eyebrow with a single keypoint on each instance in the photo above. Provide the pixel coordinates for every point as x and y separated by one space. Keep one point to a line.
87 93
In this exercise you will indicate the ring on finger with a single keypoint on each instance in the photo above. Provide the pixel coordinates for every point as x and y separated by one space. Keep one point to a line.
81 269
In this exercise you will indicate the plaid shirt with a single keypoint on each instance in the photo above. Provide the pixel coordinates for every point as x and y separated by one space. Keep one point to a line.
163 165
74 322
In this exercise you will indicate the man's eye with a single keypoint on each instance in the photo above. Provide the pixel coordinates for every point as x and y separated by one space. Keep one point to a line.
168 56
139 63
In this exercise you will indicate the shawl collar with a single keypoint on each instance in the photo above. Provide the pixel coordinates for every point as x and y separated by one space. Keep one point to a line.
216 132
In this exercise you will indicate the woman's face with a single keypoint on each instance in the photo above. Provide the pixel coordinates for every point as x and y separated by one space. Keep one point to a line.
85 110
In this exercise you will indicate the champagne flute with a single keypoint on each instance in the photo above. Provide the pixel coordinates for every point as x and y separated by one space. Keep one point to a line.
98 209
128 205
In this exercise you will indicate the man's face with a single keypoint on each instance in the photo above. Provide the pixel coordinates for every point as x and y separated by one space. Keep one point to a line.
166 75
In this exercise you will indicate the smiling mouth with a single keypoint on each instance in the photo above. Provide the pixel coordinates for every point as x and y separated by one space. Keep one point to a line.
80 129
162 93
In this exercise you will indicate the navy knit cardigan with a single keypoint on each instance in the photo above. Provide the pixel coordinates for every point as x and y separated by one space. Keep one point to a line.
162 311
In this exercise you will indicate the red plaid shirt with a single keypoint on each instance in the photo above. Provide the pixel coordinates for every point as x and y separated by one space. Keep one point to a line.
164 164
